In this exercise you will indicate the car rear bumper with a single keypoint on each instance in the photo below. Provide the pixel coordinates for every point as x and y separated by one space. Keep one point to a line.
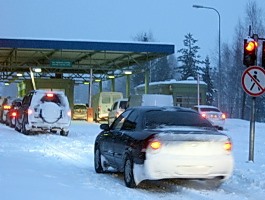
80 116
188 167
36 126
217 122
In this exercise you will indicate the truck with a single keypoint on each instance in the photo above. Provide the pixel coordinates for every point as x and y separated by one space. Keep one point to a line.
150 100
102 102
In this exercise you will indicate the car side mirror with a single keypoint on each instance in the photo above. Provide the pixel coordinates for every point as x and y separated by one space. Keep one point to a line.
109 109
104 127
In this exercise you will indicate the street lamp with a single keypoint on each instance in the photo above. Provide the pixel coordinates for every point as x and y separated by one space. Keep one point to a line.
219 44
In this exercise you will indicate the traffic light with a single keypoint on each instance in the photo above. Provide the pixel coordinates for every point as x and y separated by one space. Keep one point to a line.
263 55
250 52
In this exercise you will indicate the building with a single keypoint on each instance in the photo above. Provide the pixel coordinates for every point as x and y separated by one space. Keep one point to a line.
185 92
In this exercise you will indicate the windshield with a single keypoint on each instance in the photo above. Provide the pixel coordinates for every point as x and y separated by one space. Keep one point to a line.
155 119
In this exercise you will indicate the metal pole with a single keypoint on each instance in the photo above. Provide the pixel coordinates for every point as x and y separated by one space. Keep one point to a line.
252 131
198 89
32 78
90 87
219 49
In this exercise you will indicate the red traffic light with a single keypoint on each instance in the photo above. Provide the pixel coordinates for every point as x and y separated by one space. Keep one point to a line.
252 45
250 52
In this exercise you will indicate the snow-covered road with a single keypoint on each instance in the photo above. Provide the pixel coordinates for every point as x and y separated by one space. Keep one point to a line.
54 167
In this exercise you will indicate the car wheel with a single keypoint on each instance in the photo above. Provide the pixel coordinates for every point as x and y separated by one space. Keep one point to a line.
64 133
16 126
97 161
23 128
128 173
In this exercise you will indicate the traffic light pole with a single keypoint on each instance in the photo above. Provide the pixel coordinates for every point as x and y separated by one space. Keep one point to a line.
252 130
252 119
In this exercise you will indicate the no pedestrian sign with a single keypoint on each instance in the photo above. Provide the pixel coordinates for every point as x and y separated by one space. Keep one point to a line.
253 81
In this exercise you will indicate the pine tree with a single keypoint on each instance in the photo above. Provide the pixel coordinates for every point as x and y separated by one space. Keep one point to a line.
207 79
189 58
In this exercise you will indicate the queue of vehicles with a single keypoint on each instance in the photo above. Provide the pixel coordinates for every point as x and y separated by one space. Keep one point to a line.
140 132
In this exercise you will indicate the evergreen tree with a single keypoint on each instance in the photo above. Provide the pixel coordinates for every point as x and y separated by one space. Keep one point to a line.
159 69
207 79
189 58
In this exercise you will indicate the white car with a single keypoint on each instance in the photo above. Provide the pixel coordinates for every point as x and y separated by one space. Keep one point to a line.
116 109
213 114
44 111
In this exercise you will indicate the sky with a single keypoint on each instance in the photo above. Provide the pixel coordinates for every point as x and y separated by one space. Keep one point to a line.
52 167
118 20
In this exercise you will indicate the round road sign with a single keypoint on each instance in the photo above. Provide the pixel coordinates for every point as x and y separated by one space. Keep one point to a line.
253 81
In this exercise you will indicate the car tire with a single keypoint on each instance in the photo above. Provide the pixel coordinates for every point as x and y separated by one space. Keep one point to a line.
16 126
97 161
64 133
23 128
128 173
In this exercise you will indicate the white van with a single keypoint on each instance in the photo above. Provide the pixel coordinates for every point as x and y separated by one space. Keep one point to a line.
150 100
102 102
116 109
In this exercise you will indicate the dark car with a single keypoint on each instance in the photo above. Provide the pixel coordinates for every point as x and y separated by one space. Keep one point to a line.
5 107
12 112
153 143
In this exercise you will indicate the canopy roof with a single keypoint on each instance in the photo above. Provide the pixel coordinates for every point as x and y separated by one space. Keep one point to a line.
74 59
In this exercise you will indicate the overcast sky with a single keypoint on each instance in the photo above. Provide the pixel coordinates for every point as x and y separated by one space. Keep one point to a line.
121 20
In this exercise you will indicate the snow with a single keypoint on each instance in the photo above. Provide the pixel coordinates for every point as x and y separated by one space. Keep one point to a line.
173 81
48 166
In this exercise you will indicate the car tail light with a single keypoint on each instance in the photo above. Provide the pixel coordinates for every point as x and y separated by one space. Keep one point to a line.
228 146
29 111
7 107
203 115
155 144
50 95
14 114
223 116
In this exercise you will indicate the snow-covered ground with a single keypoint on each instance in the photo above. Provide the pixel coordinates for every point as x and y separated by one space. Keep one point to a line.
47 167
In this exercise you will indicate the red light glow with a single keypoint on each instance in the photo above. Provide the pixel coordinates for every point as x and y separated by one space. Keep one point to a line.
203 115
155 145
14 114
50 95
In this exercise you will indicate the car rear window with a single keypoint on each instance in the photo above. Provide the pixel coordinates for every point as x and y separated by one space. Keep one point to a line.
79 106
55 98
209 110
154 119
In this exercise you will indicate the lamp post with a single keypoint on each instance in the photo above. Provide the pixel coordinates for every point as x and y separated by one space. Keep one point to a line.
219 46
